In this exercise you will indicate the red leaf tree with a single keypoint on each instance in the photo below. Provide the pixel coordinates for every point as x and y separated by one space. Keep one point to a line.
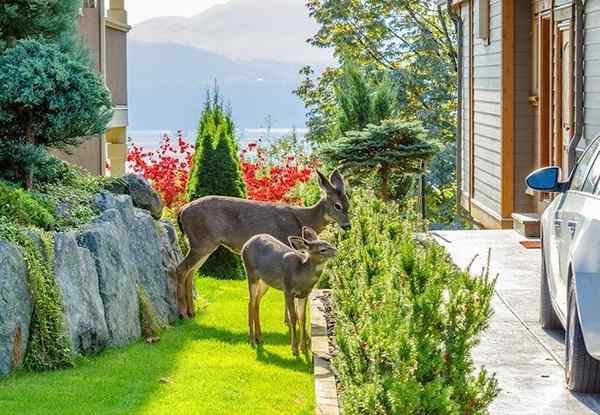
167 168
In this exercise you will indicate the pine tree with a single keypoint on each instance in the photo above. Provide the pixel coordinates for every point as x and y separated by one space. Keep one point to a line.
391 149
216 171
51 96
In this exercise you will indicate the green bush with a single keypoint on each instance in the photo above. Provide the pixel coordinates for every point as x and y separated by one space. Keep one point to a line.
406 320
24 208
216 171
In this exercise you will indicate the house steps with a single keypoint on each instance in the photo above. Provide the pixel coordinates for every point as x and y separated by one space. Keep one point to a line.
527 224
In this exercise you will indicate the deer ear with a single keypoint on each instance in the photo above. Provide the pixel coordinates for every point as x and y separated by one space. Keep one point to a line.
337 180
324 183
298 243
308 234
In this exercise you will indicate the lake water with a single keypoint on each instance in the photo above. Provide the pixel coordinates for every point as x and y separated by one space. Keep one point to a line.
150 139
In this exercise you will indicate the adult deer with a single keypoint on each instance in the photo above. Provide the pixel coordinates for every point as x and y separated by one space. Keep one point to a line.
214 221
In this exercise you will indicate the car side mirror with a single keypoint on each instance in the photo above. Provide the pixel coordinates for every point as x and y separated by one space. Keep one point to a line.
546 180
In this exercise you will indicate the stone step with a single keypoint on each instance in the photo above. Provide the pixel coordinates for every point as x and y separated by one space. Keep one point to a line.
527 224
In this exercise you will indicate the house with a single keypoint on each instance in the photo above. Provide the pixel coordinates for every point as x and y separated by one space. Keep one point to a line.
106 35
529 97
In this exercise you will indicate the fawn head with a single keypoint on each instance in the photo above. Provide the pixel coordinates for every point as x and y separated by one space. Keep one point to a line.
337 205
318 249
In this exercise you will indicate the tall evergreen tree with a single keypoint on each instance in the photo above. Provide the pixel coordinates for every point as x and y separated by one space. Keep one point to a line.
216 171
50 96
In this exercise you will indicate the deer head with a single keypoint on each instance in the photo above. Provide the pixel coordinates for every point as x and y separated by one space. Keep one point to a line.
318 250
337 205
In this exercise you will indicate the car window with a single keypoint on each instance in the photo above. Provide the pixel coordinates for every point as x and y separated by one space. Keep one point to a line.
592 177
580 173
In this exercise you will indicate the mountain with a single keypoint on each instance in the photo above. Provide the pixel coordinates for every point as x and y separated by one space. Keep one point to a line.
168 83
272 30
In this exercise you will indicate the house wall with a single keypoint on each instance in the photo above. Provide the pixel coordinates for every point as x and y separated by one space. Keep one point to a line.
592 69
486 112
116 65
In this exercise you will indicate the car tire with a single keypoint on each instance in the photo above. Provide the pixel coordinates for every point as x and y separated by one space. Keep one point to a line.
548 317
582 371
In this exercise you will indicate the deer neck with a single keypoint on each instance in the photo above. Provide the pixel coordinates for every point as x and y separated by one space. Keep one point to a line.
314 216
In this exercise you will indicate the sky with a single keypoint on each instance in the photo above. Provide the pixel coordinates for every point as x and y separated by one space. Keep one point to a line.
140 10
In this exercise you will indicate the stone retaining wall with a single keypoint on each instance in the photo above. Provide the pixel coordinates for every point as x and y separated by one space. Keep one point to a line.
100 271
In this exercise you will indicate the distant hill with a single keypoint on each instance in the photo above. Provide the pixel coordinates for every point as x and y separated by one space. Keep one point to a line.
272 30
168 83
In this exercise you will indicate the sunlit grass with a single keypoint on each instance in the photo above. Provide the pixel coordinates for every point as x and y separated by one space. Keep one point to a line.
205 366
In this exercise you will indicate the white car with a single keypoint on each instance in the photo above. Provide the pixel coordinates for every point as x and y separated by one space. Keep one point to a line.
570 283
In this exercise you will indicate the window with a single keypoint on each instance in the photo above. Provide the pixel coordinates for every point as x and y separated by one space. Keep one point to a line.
580 173
483 23
592 177
89 4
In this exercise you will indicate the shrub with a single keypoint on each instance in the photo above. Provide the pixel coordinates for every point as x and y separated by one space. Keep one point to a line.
406 320
167 168
24 208
216 171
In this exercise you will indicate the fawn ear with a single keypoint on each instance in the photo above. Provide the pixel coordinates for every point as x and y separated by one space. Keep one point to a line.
298 243
337 180
309 234
324 183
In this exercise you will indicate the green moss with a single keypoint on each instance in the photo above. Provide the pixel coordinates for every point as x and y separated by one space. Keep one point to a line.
49 346
148 320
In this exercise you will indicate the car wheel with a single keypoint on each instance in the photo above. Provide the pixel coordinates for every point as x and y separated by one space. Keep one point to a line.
548 317
582 371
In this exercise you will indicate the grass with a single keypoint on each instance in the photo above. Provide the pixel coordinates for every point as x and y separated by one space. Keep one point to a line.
204 366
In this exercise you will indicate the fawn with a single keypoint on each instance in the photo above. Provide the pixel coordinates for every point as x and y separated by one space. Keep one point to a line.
294 270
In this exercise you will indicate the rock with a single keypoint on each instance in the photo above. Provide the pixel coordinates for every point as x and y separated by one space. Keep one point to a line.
171 257
142 194
77 279
107 241
16 307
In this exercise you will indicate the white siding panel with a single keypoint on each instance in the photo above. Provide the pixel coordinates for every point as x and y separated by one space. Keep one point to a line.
592 69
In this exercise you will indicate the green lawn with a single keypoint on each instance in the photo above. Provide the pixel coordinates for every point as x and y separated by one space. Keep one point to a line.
205 366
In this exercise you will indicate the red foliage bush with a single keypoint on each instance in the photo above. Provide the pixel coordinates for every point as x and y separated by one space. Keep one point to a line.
268 181
167 168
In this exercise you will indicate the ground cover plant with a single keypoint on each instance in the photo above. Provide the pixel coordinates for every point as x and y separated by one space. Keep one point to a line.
201 366
406 320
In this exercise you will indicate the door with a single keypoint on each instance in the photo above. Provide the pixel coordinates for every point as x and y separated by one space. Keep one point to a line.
566 65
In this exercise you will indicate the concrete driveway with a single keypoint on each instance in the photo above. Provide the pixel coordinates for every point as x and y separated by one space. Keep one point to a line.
527 360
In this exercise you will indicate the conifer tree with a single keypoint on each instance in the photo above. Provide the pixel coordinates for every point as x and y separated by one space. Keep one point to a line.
391 149
51 96
216 171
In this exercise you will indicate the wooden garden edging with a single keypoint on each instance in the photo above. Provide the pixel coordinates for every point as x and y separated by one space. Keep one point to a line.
325 385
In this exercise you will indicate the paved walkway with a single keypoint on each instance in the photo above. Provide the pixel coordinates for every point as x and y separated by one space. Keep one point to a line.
527 359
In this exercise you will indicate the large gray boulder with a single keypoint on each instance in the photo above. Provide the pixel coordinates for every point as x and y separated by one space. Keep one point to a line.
107 241
16 307
141 192
77 278
171 258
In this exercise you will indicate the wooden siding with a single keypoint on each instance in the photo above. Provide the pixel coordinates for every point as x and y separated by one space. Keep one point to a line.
592 69
524 115
487 88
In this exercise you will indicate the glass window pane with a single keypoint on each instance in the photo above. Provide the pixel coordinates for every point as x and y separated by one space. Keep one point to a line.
580 173
592 177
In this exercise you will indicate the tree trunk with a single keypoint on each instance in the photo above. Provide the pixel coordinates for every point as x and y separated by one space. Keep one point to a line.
384 186
29 139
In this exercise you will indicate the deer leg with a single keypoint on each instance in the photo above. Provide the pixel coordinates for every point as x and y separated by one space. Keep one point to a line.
301 311
251 307
261 289
291 309
185 274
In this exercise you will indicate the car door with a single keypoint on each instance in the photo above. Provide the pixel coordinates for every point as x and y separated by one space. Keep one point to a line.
571 215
